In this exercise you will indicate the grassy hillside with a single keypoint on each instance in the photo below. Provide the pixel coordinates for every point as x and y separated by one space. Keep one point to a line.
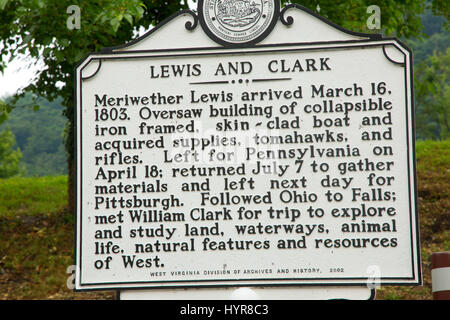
39 136
433 170
37 240
36 231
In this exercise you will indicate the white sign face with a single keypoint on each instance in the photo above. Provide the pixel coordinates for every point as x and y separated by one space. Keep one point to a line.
273 164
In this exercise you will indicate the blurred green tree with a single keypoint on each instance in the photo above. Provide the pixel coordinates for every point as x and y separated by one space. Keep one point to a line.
9 157
432 85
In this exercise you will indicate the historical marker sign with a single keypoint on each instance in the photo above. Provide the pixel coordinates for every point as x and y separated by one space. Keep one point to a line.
256 147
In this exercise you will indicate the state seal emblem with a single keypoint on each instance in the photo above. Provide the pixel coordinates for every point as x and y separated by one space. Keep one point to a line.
238 22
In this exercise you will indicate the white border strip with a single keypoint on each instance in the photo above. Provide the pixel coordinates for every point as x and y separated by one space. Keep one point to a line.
440 279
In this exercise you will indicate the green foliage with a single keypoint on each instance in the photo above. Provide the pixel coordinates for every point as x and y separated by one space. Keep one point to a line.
432 87
441 8
5 109
39 136
398 18
433 24
115 11
9 157
437 38
423 48
432 107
